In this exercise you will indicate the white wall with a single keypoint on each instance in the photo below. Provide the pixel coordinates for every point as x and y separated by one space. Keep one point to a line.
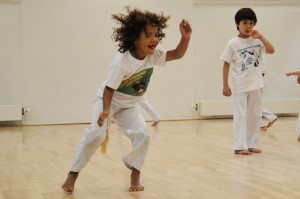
276 21
64 49
10 54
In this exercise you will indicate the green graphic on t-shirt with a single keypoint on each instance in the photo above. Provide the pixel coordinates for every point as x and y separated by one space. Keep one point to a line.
137 84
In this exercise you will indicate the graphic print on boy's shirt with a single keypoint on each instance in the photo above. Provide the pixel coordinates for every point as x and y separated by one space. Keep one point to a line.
137 84
249 57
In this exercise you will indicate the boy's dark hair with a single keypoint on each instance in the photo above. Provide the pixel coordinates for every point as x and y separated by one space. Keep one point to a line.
245 14
132 24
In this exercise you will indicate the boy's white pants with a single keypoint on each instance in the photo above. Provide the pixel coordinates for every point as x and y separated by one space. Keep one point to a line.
267 114
134 127
150 109
298 125
246 116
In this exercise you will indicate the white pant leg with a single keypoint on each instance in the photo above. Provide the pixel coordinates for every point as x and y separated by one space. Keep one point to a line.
298 125
254 114
91 141
150 109
135 128
247 112
269 115
239 121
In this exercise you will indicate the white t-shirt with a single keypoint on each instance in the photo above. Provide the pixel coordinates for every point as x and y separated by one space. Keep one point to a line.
129 77
246 57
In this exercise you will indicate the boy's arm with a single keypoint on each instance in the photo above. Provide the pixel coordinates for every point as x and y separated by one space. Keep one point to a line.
269 47
296 73
226 88
107 98
186 31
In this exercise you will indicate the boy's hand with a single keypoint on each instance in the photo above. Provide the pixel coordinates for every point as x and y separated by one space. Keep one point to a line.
255 34
296 73
226 91
185 29
102 117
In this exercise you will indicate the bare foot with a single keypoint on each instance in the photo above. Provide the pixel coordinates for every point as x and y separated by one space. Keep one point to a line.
135 181
68 186
263 128
242 152
271 123
254 150
155 123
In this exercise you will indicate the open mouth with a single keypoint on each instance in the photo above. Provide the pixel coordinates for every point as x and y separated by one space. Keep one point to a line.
152 47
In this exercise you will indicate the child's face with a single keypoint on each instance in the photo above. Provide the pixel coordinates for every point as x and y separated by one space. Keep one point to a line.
146 43
245 28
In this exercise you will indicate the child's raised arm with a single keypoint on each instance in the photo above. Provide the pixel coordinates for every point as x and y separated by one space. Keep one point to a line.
186 31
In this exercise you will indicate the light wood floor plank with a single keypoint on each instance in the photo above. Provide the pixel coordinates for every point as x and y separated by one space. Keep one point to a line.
187 159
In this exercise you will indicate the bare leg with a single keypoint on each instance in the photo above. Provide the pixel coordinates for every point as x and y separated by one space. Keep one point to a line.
135 181
271 123
155 123
299 138
68 186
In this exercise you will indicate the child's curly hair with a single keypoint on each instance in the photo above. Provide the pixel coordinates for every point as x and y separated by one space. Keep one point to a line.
132 24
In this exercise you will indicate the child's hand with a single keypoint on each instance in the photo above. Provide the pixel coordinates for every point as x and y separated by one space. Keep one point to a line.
255 34
226 91
185 29
102 117
298 79
296 73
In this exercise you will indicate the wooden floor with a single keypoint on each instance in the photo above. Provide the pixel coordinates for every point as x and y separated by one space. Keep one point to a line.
187 160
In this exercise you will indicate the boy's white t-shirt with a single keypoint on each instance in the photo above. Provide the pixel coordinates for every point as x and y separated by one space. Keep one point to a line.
245 54
129 77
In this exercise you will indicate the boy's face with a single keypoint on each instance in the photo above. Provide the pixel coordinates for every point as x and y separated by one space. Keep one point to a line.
146 43
245 27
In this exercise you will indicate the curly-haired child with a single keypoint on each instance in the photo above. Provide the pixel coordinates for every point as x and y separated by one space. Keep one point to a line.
138 35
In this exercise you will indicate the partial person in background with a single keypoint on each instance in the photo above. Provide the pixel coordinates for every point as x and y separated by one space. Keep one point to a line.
296 73
271 117
145 104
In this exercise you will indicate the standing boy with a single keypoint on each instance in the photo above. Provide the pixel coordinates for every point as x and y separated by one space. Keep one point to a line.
244 52
138 36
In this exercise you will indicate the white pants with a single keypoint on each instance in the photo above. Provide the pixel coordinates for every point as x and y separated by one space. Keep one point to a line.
150 109
266 113
134 127
247 112
298 125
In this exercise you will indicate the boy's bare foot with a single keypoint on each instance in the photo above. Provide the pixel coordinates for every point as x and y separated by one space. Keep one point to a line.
271 123
254 150
68 186
242 152
263 128
155 123
135 181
